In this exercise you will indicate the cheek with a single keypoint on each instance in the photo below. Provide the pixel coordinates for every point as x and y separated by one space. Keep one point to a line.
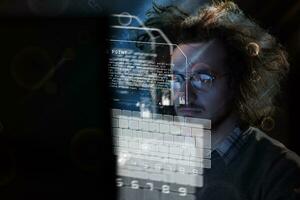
218 99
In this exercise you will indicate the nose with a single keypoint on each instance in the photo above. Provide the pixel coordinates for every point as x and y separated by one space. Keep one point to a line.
190 93
187 94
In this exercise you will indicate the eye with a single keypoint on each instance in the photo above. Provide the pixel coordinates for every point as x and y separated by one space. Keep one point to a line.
177 81
177 78
204 78
202 81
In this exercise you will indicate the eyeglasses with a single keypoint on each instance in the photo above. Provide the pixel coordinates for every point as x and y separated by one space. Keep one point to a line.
199 81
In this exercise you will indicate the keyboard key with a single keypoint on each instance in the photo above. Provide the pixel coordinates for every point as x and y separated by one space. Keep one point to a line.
169 168
195 170
126 113
194 180
123 123
168 139
159 166
178 139
197 132
143 126
207 153
189 141
197 152
157 116
154 127
146 114
198 122
135 114
116 141
125 172
154 158
147 135
115 122
203 143
174 156
180 178
181 169
156 176
133 144
186 152
136 134
186 131
181 162
123 180
158 137
116 112
178 119
205 163
127 132
175 150
163 148
175 129
164 128
123 143
134 124
117 132
168 118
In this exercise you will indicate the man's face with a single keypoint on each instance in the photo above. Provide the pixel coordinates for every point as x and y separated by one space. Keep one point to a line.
203 83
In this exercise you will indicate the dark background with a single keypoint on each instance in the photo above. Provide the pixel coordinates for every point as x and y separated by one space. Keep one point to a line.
55 134
280 18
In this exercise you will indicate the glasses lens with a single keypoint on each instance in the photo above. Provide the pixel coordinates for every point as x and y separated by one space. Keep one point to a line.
177 81
202 81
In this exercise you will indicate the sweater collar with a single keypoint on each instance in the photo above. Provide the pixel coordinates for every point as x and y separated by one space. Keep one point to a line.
232 144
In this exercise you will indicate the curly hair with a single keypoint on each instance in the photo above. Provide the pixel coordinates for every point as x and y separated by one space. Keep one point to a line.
256 60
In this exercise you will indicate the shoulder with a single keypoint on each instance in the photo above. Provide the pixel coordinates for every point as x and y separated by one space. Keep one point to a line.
269 148
278 167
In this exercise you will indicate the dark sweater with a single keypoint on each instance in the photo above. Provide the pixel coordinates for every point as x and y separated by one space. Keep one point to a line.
264 169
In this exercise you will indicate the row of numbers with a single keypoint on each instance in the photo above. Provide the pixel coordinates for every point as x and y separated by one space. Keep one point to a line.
135 184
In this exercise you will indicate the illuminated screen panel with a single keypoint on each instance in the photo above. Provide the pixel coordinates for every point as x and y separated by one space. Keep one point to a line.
159 155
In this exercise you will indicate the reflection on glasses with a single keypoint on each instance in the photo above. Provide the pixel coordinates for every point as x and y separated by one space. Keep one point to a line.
199 81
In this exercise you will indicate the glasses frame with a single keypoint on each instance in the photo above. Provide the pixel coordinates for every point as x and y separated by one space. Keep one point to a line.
191 76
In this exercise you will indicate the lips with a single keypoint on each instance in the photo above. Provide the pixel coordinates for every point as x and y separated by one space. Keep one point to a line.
189 112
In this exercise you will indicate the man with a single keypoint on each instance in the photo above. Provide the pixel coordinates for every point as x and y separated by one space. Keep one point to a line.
232 75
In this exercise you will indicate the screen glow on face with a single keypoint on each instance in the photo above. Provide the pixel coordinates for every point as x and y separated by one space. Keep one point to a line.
201 81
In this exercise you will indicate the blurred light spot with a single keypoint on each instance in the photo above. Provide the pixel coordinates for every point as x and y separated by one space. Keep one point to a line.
253 49
268 124
125 21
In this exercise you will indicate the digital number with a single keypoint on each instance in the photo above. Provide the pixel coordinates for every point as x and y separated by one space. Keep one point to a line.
165 189
119 182
134 184
182 191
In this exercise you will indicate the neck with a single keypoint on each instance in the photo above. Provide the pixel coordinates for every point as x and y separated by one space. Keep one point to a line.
223 129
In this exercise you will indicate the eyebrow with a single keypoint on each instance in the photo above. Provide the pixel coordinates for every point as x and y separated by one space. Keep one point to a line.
199 71
203 65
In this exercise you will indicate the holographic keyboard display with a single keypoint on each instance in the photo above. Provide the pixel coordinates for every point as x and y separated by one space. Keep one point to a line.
163 149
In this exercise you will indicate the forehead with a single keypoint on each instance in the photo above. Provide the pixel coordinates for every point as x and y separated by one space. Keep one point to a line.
209 55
